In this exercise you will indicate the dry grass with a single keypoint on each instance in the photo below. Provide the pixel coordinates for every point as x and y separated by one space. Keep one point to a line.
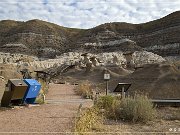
89 120
44 90
85 90
44 86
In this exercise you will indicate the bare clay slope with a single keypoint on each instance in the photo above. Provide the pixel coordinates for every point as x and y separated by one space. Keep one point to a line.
34 37
46 39
158 36
159 81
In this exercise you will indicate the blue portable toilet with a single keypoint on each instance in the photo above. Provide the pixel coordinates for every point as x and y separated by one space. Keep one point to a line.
33 90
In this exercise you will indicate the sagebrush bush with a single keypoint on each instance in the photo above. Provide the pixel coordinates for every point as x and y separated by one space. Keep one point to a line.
88 120
137 109
109 103
85 90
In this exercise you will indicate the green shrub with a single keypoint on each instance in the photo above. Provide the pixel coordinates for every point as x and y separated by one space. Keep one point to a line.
88 120
137 109
109 103
85 90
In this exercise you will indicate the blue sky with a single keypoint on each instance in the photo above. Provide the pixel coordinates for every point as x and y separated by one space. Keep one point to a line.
87 13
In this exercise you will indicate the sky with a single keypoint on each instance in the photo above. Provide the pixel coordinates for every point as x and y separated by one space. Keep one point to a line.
87 13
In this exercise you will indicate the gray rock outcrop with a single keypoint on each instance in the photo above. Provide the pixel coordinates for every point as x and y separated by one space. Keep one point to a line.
72 58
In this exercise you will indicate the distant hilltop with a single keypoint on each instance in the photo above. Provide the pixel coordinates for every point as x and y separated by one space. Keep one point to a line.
44 39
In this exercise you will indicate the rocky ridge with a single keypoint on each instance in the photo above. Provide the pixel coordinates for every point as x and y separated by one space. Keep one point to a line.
44 39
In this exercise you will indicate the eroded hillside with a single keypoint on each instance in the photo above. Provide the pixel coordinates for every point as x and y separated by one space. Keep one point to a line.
44 39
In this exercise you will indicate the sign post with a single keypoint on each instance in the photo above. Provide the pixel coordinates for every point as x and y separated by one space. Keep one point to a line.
106 78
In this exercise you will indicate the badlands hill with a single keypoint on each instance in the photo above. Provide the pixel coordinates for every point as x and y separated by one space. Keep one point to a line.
156 80
76 55
44 39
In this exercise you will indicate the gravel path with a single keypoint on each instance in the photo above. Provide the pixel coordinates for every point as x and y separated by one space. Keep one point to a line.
56 116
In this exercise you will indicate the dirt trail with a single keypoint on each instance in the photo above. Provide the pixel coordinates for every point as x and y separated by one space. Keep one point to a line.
56 115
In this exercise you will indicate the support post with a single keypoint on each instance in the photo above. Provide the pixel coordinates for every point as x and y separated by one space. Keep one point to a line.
123 93
106 87
106 78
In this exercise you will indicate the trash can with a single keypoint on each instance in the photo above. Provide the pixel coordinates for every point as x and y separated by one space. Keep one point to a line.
33 90
14 92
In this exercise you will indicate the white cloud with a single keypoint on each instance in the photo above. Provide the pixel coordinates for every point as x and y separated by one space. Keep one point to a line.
87 14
